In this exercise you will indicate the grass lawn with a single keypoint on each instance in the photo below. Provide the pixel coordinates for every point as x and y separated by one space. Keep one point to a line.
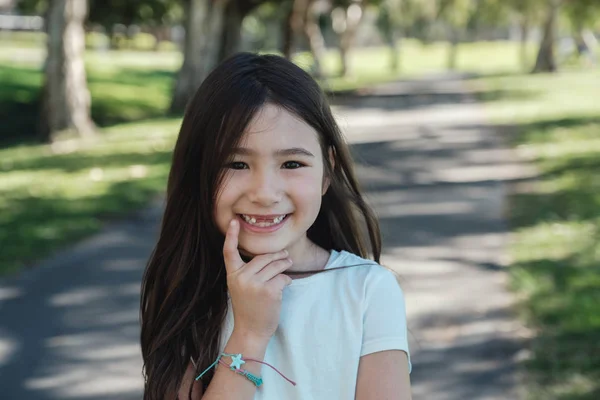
556 250
49 200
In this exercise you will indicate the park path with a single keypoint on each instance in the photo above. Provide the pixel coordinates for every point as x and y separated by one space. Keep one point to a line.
437 175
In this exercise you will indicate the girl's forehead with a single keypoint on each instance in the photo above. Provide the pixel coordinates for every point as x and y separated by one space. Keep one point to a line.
273 126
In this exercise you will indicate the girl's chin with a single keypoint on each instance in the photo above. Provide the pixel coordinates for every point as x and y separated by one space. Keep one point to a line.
248 253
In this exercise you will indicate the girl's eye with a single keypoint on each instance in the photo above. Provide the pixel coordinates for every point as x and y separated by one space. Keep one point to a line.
238 165
292 165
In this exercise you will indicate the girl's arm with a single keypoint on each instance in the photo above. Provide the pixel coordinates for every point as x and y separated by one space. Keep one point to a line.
226 384
383 376
256 290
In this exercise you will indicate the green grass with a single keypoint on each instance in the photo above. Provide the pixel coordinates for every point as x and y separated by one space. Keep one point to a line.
53 196
371 65
556 250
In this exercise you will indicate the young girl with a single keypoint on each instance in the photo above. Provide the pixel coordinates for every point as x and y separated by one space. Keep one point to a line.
259 286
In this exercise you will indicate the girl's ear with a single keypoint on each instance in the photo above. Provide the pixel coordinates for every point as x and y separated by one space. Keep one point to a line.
326 179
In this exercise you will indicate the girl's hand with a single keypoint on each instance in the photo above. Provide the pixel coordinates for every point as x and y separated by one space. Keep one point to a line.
256 288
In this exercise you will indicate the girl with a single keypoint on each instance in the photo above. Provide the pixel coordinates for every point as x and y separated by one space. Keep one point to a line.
259 286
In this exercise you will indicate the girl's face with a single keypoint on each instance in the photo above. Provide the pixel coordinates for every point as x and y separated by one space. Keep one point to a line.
273 184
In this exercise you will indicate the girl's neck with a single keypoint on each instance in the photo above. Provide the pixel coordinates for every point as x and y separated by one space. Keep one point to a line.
307 256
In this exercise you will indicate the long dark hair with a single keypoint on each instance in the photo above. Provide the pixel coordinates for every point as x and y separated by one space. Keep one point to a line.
184 289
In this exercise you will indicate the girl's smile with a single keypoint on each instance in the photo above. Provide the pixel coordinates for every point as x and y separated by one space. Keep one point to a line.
262 223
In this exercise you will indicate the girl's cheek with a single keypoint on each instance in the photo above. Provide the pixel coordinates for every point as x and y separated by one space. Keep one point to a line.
308 177
231 180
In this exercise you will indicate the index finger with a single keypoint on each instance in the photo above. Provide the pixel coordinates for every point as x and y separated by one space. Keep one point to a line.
231 254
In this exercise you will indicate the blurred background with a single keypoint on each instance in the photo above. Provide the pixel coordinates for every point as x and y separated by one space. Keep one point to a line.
476 129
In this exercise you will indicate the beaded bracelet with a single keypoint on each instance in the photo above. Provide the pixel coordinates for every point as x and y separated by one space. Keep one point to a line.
236 364
252 378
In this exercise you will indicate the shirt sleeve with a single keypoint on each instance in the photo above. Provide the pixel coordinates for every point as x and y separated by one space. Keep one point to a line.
384 318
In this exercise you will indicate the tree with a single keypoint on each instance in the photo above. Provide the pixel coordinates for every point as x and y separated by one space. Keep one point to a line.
546 58
388 25
583 15
153 14
191 74
212 33
287 27
528 13
346 17
66 99
456 14
302 21
395 19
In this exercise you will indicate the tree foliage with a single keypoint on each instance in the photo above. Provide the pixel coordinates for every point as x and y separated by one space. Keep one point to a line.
582 13
127 12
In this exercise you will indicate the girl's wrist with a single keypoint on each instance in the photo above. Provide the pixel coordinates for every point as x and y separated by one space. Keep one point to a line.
250 346
247 343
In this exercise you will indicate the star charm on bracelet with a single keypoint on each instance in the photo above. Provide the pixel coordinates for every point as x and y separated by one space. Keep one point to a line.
236 361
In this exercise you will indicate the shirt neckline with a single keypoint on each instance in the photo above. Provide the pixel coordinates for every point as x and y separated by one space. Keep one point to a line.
333 255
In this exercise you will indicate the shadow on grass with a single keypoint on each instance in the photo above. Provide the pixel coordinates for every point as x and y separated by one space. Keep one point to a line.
141 95
19 108
580 200
75 162
136 77
565 309
562 293
422 96
37 226
136 95
538 131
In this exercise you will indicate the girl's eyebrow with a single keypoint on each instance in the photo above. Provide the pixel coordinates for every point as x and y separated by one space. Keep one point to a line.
294 151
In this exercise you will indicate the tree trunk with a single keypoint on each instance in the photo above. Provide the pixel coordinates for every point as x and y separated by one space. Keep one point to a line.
287 29
546 61
66 100
302 21
393 47
316 42
523 43
160 33
354 14
214 36
453 50
192 70
231 30
344 64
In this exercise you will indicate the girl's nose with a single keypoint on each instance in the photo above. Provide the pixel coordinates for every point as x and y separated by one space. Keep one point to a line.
266 189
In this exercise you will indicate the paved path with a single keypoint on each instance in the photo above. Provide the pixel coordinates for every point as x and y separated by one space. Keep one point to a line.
436 174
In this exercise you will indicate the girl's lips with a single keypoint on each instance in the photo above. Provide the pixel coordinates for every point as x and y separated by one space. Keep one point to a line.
261 229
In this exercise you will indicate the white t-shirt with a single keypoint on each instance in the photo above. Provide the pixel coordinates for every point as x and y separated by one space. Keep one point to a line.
328 321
